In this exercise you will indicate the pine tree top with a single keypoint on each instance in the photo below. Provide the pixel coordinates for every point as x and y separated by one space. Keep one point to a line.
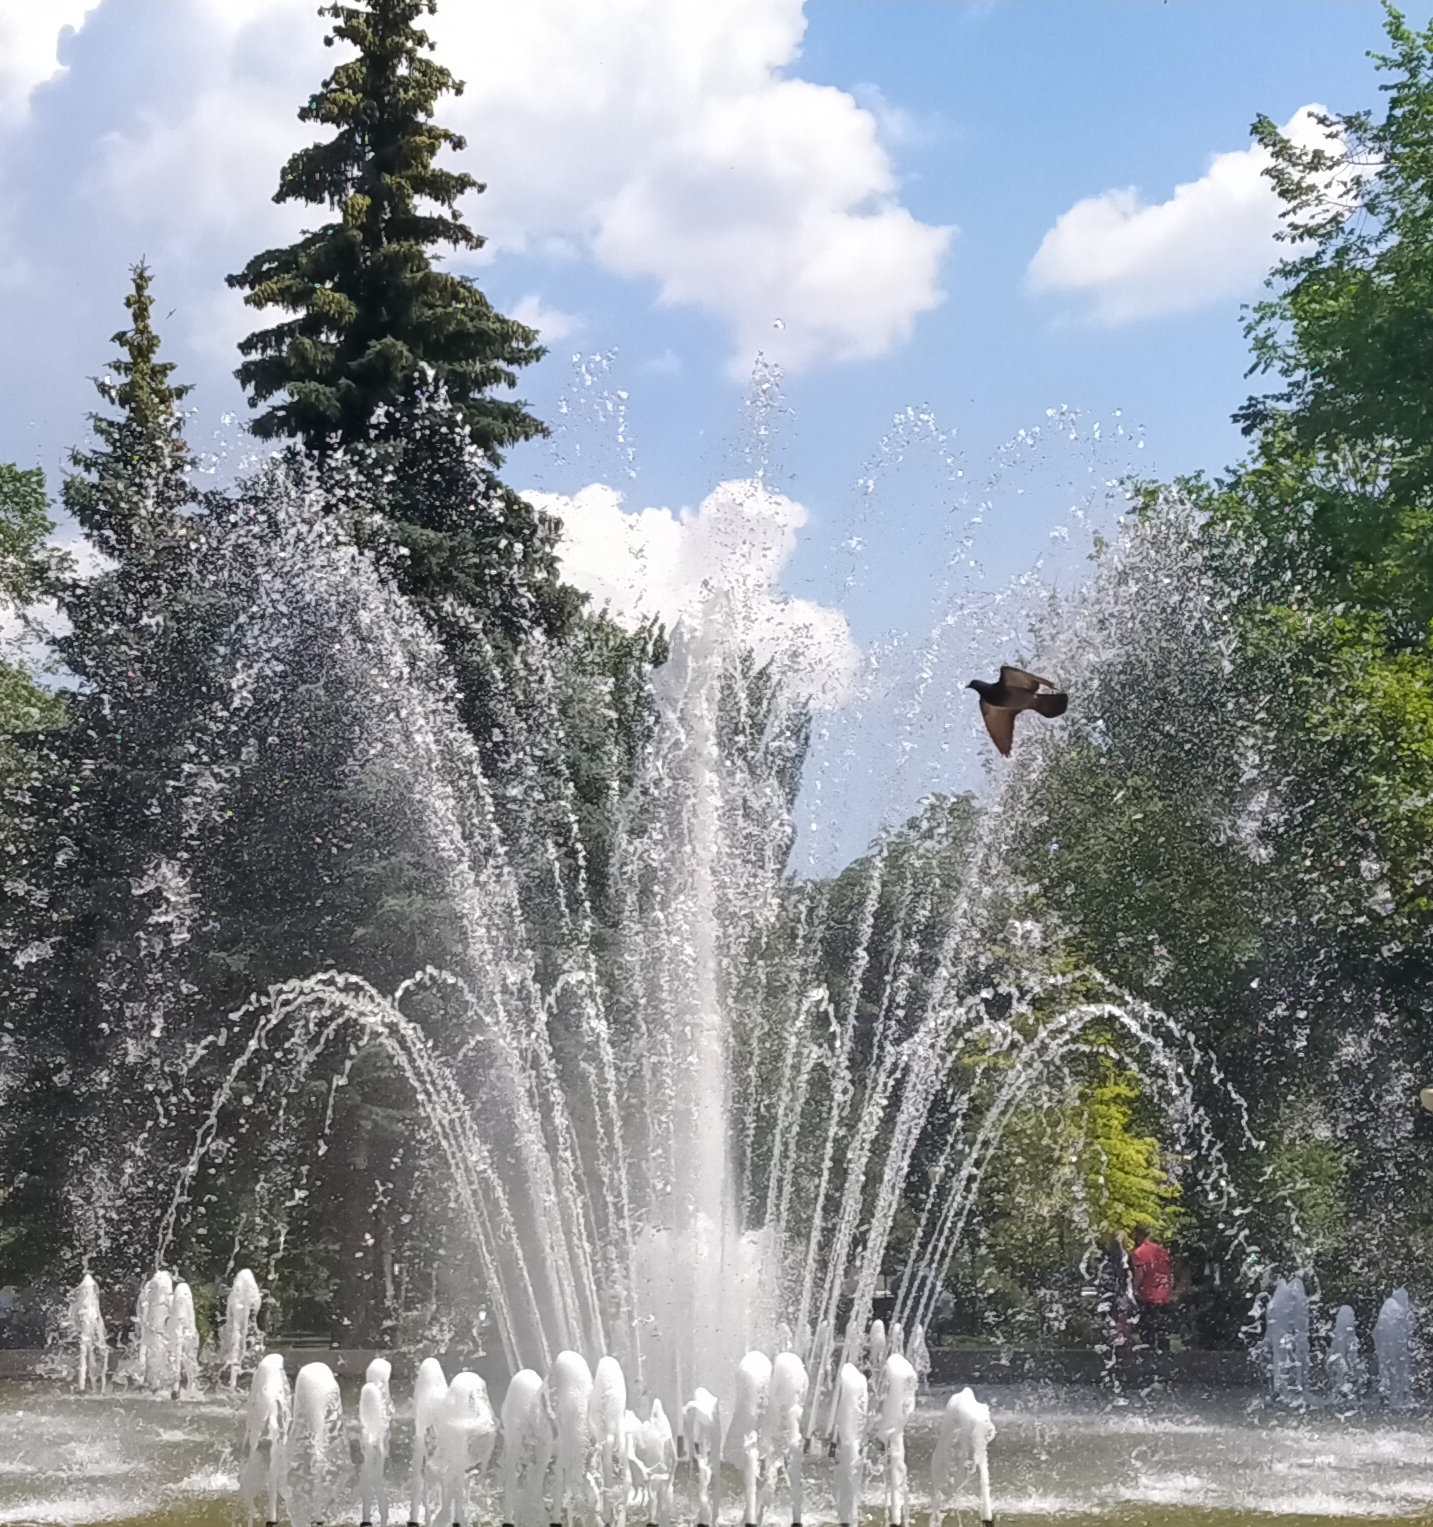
128 493
369 308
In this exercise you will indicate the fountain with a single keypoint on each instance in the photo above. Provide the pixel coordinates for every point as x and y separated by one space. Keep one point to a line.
784 1442
316 1453
595 1137
527 1450
746 1430
379 1373
966 1433
653 1453
86 1325
1343 1365
661 1132
898 1403
1286 1341
269 1414
465 1430
877 1351
848 1432
181 1343
702 1429
241 1342
375 1420
606 1432
1392 1345
150 1359
429 1388
919 1355
569 1393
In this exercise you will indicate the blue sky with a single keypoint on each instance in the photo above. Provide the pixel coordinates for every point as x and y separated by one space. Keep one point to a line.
1015 112
975 201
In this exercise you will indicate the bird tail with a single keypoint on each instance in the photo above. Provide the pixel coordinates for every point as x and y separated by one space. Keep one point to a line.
1051 705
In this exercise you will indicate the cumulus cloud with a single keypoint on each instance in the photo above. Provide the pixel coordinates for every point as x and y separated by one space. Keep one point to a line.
30 33
1211 241
719 563
203 157
665 139
551 323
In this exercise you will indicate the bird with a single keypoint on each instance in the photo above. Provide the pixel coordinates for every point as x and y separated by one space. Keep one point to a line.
1014 691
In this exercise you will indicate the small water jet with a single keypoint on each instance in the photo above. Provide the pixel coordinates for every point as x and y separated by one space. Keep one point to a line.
963 1444
569 1395
702 1430
181 1342
848 1431
379 1373
86 1324
316 1455
606 1431
653 1453
919 1355
1392 1347
150 1356
466 1432
241 1342
1343 1364
375 1422
268 1415
745 1434
784 1443
1286 1341
527 1450
429 1388
898 1403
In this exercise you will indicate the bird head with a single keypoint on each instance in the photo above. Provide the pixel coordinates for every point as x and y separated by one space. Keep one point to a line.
980 686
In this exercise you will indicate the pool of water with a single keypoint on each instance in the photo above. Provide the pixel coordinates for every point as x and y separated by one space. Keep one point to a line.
1066 1455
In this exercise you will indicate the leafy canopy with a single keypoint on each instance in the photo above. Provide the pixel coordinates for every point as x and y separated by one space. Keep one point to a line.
370 311
24 525
1341 485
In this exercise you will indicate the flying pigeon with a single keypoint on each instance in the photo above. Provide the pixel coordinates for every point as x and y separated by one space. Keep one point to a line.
1013 692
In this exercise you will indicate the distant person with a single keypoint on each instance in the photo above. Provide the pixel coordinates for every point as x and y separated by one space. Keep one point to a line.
1152 1279
1112 1290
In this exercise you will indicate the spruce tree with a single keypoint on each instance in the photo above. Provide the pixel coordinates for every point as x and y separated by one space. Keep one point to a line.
97 879
370 310
128 493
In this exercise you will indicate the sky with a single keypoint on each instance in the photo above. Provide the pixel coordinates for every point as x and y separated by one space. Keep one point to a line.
934 273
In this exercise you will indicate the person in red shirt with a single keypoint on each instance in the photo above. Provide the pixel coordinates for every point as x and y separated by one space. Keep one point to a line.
1152 1281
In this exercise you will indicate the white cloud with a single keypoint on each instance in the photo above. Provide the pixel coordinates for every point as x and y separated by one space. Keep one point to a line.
30 32
208 162
552 324
666 139
1211 241
721 562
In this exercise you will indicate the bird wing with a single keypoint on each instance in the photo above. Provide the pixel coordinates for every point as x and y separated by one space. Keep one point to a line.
1000 724
1017 678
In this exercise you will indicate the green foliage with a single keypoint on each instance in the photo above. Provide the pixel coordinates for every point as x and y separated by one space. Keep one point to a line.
27 568
97 925
371 311
1307 1165
1252 848
25 524
1125 1181
129 492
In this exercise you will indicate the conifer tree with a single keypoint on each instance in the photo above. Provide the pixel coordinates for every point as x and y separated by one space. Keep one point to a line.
94 882
370 310
127 494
